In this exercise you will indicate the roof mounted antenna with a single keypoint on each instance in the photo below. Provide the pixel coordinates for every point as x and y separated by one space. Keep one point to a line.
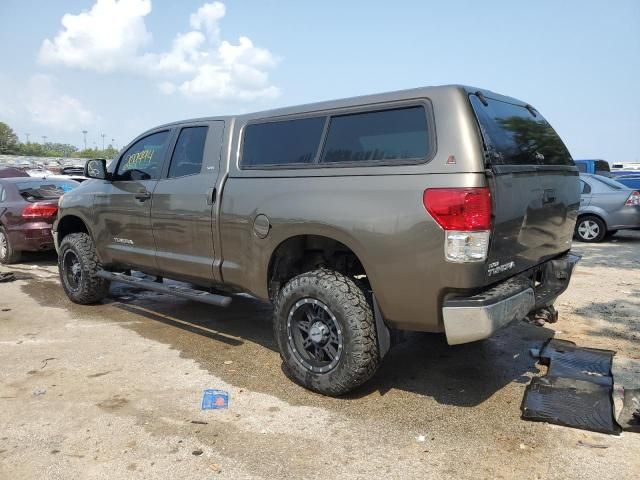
482 98
532 110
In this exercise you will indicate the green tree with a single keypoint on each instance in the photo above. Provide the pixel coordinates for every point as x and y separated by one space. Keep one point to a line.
8 139
107 153
30 149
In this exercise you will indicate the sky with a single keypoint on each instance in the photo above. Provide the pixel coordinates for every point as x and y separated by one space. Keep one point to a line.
119 67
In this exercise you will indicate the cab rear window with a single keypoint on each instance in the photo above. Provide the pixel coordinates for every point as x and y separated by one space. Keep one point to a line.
517 135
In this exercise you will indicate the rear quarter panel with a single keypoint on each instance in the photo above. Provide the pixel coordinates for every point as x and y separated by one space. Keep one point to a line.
375 211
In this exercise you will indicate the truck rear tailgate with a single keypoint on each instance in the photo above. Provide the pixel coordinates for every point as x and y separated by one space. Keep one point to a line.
533 182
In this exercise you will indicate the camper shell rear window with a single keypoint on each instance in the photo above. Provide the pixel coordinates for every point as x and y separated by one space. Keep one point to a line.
517 134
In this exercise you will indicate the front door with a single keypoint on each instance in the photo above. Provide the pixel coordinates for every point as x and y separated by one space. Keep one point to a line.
182 216
123 210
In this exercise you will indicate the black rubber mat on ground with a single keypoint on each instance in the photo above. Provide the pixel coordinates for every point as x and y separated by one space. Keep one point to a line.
629 418
567 360
570 402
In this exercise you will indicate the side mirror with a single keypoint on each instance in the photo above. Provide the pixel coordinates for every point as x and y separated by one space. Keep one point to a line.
96 168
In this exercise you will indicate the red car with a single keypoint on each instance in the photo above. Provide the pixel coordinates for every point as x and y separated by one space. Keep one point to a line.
9 172
28 207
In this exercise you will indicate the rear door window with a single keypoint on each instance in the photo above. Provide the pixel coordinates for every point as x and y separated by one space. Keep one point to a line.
286 143
396 135
516 135
188 152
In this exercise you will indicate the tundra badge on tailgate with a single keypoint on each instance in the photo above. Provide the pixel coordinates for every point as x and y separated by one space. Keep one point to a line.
495 267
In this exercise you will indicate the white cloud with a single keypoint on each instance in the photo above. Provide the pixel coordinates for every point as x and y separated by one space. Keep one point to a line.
105 38
207 17
50 108
199 64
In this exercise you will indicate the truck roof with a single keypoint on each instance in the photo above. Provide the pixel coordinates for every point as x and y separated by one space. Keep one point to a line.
347 102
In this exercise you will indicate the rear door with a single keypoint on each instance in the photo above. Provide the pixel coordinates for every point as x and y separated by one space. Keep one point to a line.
182 217
534 186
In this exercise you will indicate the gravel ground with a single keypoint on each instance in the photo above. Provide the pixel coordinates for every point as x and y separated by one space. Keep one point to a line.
113 391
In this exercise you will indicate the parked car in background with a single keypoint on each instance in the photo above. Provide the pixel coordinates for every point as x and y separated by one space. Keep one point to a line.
595 167
628 177
70 174
635 166
11 172
28 207
606 206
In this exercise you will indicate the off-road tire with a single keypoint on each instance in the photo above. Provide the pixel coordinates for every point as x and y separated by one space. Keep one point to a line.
10 254
592 219
359 359
91 288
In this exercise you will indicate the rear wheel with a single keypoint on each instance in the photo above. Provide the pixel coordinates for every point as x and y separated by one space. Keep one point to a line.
8 254
78 266
326 332
590 229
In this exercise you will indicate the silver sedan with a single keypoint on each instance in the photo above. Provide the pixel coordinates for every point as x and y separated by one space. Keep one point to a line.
606 206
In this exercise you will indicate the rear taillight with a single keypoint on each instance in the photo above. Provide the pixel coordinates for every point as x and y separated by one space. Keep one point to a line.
40 210
465 215
633 200
465 209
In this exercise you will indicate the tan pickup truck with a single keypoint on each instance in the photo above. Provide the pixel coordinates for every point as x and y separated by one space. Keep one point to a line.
441 209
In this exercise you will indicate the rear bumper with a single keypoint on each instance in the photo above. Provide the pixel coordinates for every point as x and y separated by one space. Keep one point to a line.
31 238
475 317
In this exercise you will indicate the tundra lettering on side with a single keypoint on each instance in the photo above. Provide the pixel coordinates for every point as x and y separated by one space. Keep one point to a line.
440 209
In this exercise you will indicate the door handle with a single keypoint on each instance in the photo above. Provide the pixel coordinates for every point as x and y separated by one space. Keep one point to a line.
143 195
211 196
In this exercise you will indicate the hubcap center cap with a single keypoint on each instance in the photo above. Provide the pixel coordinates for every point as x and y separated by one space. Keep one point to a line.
75 269
318 332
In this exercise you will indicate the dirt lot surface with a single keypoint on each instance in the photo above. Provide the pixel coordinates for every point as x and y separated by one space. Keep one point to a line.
113 391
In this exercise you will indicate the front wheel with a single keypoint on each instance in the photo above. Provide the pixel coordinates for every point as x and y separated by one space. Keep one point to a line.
590 229
325 331
78 266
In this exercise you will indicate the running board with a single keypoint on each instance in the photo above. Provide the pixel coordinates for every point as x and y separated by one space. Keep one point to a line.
176 290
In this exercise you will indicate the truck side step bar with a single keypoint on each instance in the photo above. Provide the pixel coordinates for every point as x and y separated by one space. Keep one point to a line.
176 290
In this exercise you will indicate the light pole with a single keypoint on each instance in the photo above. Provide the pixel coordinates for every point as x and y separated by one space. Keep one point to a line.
84 134
102 135
44 139
27 135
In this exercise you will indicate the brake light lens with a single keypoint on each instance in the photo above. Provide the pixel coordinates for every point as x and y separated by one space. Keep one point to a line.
466 209
633 200
465 215
40 210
